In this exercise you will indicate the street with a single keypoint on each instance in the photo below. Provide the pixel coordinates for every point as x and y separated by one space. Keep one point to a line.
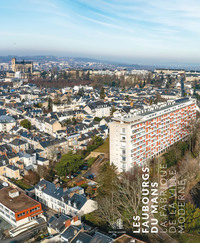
26 235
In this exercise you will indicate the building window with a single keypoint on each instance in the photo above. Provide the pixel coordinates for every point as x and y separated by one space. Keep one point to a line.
21 214
123 144
123 151
123 130
123 158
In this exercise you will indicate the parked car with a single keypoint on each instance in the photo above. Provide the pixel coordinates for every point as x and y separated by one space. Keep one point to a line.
84 167
90 176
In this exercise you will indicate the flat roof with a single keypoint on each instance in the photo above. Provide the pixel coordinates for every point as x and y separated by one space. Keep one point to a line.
17 204
146 112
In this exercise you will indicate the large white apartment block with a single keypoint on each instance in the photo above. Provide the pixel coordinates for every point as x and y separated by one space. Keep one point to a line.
136 138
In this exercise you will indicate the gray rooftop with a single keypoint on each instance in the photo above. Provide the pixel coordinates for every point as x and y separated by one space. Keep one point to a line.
6 119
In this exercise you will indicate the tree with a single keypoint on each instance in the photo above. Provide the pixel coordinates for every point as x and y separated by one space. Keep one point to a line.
32 177
49 103
68 164
113 109
25 123
74 122
102 93
95 143
107 179
192 216
38 105
167 85
81 92
97 119
126 97
119 197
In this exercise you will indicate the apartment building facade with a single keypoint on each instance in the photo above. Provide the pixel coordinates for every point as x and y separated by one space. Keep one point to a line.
136 138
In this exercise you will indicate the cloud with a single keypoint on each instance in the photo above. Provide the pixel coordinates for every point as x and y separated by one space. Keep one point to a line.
127 27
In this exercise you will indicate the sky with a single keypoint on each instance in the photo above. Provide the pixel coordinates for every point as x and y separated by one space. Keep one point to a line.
130 31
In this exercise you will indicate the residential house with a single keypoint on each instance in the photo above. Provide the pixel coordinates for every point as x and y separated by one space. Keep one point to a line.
12 171
58 223
6 123
71 201
98 109
19 145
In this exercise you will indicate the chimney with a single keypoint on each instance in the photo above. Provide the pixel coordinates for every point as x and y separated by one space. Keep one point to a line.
65 189
75 218
71 194
67 223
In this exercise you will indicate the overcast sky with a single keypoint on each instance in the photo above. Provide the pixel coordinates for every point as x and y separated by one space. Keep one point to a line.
132 31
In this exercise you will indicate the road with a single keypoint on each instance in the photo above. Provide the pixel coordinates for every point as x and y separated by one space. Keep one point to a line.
48 212
27 234
95 167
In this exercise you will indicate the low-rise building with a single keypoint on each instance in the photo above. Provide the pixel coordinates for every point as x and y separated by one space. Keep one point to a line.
17 208
19 145
12 171
71 201
6 123
98 109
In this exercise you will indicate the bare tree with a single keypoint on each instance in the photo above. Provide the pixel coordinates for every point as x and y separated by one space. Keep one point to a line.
124 201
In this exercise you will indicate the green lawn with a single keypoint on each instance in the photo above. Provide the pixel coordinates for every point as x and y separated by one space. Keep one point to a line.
104 148
22 184
90 161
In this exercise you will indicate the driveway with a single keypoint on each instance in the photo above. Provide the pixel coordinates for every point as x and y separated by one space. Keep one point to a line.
95 167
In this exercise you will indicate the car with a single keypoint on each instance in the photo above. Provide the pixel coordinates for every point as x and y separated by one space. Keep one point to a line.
91 176
84 167
78 172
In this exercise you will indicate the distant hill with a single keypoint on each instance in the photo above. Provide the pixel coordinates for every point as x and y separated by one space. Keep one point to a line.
101 63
